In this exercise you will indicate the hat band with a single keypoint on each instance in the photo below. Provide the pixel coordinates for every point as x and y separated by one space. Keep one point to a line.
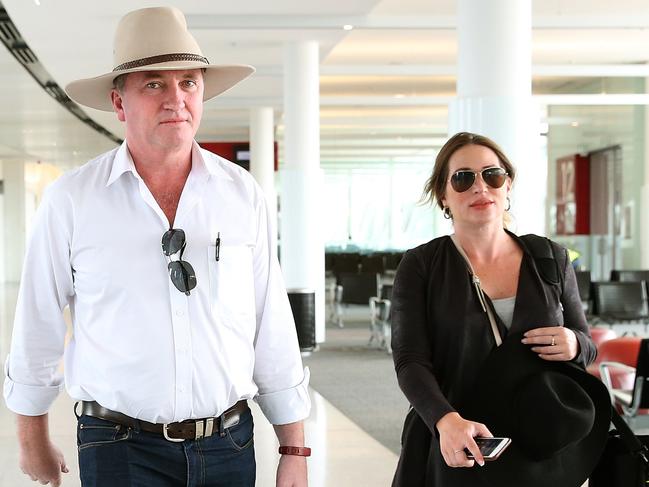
161 59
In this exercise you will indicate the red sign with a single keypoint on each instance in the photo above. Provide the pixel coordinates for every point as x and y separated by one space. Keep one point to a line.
573 195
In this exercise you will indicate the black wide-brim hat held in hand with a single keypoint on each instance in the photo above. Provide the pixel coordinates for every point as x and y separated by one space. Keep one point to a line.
556 414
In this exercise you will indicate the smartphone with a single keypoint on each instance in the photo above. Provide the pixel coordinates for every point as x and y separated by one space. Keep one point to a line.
491 448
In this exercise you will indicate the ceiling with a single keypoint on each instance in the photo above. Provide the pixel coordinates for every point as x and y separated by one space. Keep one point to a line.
384 85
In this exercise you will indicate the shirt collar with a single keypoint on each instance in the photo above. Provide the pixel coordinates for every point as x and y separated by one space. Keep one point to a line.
121 163
201 165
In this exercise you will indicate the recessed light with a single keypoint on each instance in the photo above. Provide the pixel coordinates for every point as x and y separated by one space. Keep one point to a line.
399 95
574 124
348 27
37 2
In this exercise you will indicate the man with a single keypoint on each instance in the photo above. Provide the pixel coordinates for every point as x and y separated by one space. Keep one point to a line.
167 344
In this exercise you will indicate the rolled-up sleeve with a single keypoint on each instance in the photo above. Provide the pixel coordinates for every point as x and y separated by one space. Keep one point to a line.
32 378
278 373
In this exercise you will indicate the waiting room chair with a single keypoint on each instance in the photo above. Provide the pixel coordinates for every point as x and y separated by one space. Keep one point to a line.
346 263
622 350
354 289
600 335
392 260
336 264
373 263
583 284
629 275
615 302
380 327
631 357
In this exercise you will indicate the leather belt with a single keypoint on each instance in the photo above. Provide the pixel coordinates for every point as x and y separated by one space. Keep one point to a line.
190 429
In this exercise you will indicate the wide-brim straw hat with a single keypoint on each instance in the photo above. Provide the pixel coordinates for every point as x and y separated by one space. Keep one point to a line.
155 39
556 414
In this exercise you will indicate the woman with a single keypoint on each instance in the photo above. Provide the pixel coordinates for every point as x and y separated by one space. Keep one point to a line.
441 331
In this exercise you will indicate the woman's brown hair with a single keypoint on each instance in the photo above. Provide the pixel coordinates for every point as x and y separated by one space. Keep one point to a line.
435 187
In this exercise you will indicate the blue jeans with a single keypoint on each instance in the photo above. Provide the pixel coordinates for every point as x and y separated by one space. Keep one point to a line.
111 455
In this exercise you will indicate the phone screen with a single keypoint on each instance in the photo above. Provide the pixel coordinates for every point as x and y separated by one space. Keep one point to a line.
491 448
488 445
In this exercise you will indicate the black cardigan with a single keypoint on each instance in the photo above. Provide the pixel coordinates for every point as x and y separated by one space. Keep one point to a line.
441 336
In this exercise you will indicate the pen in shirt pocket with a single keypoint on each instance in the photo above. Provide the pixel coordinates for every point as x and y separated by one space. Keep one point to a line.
217 244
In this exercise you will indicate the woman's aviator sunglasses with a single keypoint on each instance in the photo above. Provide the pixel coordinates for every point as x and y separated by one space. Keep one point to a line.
463 179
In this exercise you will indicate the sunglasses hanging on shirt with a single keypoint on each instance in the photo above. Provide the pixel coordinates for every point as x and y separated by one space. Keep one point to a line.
181 272
463 179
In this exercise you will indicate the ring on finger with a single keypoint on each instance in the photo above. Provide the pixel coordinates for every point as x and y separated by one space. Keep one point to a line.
552 344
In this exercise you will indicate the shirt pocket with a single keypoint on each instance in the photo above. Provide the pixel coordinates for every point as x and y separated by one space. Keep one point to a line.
232 289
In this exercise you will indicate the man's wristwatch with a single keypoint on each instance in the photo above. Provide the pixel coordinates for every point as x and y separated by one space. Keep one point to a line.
300 451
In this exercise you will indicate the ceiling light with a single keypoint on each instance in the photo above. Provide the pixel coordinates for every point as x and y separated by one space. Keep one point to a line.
575 124
348 27
37 2
399 95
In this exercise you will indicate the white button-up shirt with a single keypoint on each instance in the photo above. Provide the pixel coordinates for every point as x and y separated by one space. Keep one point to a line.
140 346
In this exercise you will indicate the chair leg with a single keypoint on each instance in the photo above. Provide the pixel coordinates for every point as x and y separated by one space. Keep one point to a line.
387 336
373 326
338 306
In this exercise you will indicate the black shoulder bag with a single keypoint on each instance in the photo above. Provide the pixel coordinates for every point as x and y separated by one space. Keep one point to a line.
625 461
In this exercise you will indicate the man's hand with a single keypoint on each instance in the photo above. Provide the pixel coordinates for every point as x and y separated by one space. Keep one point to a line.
38 456
291 471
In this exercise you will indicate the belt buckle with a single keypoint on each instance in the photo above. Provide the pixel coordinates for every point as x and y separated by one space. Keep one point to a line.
169 438
203 428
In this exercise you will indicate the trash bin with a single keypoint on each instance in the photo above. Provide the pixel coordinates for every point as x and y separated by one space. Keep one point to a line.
303 307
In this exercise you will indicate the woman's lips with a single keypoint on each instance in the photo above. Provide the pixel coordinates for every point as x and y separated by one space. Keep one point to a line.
481 204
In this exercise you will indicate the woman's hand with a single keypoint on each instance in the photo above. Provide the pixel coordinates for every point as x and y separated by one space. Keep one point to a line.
456 434
556 343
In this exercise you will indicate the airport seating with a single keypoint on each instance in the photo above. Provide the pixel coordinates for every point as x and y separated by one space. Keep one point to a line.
600 334
631 276
380 326
584 286
620 302
631 397
372 263
620 349
354 289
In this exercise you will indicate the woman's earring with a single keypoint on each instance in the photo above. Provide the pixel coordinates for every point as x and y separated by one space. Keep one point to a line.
447 213
509 204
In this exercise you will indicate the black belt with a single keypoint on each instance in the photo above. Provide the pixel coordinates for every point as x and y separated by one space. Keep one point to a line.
190 429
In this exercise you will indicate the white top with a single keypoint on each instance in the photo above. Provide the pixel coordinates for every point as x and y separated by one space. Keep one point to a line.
505 309
140 346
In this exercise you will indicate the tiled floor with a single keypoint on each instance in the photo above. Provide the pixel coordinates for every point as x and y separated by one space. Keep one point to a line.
343 454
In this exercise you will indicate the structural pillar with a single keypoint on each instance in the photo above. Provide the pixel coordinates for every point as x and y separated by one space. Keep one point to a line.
13 238
644 198
494 96
301 203
262 156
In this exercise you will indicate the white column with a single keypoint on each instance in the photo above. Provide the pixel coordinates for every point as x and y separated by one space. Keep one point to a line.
494 96
644 200
262 155
13 175
301 238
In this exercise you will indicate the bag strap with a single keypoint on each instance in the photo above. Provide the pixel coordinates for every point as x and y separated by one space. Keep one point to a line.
544 256
476 283
631 441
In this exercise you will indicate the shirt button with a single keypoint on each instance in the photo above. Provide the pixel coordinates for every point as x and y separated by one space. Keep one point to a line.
181 389
179 312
